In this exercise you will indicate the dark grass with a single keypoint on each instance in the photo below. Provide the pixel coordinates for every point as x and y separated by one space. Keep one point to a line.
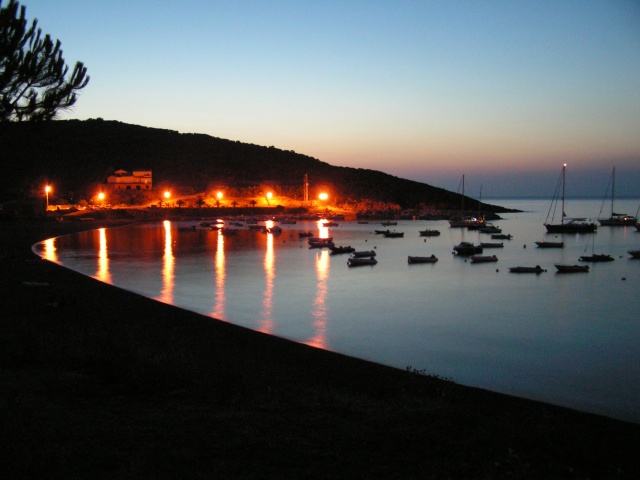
97 382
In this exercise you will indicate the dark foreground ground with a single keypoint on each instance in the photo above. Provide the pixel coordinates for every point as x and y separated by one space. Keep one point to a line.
96 382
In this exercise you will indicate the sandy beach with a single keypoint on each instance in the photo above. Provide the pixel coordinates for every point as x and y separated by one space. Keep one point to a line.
97 382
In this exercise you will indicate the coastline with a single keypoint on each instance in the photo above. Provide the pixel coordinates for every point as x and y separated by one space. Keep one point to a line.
103 382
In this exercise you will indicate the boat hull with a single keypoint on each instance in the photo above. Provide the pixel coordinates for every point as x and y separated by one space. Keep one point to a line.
572 268
431 259
571 227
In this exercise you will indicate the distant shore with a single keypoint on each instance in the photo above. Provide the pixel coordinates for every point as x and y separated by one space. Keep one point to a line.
103 383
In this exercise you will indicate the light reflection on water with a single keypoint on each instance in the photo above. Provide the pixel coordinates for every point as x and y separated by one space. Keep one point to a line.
567 339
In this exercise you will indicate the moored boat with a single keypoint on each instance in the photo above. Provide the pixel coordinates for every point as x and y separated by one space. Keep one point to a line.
388 223
490 229
359 261
572 268
616 219
536 269
543 244
335 249
597 258
467 248
634 253
483 258
491 245
315 242
393 234
574 225
363 254
431 259
429 233
501 236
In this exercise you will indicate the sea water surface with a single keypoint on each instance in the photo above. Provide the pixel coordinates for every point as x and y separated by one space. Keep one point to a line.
568 339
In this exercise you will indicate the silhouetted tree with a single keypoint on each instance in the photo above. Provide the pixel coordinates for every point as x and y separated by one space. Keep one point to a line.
33 83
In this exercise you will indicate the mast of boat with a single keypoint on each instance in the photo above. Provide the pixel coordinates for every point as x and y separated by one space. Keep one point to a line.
462 200
613 190
564 167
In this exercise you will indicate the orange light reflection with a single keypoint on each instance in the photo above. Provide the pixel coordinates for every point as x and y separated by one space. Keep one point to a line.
49 252
218 310
166 295
266 325
323 230
103 258
320 304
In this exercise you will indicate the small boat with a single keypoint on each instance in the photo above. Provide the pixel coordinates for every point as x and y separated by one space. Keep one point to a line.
359 254
491 245
597 258
388 223
501 236
315 242
431 259
340 249
330 224
572 268
358 261
543 244
381 232
616 219
429 233
305 234
467 248
634 253
462 221
276 230
536 269
393 234
254 226
575 225
490 229
483 258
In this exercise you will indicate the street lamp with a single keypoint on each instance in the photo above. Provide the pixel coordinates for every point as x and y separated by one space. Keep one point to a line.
323 196
269 195
167 195
101 198
47 189
218 198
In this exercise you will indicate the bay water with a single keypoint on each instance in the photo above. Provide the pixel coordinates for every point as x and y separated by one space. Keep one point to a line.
567 339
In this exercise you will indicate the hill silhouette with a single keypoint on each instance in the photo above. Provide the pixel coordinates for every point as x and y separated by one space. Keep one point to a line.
76 155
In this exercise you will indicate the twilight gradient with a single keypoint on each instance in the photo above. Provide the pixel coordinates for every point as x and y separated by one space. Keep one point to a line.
502 91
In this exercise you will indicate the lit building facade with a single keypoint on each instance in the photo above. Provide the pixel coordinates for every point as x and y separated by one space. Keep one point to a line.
136 180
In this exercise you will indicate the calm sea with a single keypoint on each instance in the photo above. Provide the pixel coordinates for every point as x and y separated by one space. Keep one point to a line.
567 339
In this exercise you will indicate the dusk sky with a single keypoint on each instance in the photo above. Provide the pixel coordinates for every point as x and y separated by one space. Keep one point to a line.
504 92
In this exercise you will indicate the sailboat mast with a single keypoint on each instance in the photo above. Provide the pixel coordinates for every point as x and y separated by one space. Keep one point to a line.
613 190
564 168
462 205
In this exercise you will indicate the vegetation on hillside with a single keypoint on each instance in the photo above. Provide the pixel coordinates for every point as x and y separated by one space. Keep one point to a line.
78 156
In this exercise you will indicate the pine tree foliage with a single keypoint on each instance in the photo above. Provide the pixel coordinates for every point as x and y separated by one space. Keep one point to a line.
33 74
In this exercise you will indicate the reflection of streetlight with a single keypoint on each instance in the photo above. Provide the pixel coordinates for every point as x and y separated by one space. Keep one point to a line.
269 195
47 189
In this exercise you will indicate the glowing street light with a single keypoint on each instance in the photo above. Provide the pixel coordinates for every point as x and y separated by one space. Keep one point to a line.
269 195
218 198
101 198
47 189
323 196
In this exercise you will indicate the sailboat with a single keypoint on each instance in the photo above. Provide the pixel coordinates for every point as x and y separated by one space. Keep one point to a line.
616 219
595 257
572 225
466 222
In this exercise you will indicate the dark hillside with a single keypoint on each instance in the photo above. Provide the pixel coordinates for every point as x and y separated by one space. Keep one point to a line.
75 155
